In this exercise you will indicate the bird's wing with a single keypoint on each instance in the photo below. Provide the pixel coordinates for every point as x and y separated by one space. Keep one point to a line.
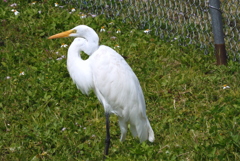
116 85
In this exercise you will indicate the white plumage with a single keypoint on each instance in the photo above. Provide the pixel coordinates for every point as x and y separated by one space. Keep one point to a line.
112 79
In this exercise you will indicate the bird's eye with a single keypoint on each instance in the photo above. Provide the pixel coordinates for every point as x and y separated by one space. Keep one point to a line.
74 31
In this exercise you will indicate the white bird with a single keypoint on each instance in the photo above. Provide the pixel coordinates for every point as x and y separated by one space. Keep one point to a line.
112 80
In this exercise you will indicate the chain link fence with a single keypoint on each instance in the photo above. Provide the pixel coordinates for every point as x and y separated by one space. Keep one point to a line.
185 21
231 21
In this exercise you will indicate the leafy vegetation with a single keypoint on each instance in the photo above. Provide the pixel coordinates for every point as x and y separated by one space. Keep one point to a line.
44 117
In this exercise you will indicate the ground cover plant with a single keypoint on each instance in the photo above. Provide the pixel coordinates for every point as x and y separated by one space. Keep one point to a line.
192 104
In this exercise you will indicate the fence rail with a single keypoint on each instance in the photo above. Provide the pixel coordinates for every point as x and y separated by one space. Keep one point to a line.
185 21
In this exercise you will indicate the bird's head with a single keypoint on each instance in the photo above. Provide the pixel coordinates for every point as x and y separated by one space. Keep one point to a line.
85 32
82 31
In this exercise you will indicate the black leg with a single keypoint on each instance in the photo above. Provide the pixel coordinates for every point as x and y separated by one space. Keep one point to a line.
107 141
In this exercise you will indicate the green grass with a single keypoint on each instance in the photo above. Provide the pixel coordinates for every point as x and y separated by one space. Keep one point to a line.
44 117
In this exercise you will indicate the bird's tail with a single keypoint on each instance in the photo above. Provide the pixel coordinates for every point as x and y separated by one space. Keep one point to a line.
140 127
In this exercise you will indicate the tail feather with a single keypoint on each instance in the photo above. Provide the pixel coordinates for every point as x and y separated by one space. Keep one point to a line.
151 137
142 129
139 126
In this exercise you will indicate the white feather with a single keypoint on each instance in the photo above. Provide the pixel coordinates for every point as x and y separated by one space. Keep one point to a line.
113 81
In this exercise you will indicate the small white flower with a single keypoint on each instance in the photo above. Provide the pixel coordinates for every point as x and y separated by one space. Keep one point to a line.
39 12
73 10
102 29
33 3
8 77
13 5
56 4
93 15
15 12
225 86
63 129
116 46
113 37
147 31
118 31
62 57
64 45
83 16
111 23
21 73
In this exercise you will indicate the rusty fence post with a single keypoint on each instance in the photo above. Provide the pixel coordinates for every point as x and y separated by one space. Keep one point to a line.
217 26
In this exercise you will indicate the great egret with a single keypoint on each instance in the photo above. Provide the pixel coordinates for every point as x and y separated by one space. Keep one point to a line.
111 78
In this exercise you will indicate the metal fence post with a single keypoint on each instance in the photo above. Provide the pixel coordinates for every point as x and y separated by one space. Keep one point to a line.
217 27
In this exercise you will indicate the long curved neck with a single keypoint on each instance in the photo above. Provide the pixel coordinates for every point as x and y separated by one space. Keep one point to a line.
91 46
92 41
74 54
79 69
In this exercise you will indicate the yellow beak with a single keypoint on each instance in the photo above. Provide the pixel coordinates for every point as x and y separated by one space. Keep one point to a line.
62 34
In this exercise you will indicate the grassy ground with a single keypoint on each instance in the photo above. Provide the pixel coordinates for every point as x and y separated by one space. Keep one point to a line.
44 117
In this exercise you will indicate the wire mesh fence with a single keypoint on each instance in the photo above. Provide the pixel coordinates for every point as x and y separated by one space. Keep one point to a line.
184 21
231 21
